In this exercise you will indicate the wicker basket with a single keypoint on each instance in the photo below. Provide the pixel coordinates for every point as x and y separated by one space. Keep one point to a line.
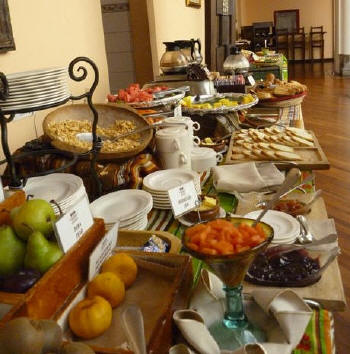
107 115
282 102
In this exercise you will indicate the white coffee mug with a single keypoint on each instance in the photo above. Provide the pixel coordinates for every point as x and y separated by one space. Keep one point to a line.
174 146
203 159
191 125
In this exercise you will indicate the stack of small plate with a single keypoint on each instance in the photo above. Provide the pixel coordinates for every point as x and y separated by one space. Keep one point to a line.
129 206
64 188
286 228
158 183
34 89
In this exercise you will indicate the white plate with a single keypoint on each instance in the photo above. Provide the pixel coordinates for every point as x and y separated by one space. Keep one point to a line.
34 99
35 73
185 222
164 180
138 219
35 86
122 205
285 227
36 105
36 91
56 186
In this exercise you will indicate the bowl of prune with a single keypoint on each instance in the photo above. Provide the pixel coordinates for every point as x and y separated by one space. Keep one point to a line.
289 266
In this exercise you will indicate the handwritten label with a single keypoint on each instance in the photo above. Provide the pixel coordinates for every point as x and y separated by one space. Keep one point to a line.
251 80
72 225
183 198
178 111
103 251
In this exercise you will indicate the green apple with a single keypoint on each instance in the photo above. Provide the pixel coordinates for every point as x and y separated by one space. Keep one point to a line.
41 254
12 251
33 215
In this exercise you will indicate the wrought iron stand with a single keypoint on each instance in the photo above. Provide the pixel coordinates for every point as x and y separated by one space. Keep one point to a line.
18 182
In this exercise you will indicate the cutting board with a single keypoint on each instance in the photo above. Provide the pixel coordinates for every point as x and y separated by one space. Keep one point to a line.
313 158
329 290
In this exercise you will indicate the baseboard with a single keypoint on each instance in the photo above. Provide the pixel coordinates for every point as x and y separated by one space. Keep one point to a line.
325 60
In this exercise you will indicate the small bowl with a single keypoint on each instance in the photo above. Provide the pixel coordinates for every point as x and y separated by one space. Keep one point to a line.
205 215
219 146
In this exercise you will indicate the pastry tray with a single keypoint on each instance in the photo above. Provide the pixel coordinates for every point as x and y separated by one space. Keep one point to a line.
313 158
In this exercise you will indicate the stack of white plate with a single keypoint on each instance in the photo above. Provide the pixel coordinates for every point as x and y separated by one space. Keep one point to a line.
64 188
286 228
158 183
33 89
129 206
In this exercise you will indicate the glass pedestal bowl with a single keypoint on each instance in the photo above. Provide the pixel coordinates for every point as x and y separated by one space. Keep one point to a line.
234 330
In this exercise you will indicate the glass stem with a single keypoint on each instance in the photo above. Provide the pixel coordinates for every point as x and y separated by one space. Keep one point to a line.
234 315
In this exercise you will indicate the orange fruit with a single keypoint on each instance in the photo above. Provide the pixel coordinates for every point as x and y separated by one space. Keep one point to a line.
123 265
90 317
109 286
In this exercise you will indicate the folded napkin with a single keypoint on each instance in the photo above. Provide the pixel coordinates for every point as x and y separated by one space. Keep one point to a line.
246 177
282 314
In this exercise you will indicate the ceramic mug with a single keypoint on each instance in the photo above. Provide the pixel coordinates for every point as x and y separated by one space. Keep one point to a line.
203 159
191 125
174 146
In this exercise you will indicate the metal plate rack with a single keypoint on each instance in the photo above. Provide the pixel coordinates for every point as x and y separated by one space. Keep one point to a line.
77 72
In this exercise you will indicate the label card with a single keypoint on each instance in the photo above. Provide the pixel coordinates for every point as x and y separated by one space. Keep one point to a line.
103 251
251 80
183 198
178 111
72 225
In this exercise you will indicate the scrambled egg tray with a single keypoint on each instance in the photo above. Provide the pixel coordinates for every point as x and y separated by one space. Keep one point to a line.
222 102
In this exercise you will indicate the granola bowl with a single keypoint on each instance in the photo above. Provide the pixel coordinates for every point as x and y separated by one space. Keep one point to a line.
62 125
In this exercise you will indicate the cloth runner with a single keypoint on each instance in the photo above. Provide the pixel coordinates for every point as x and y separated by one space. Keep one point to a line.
246 177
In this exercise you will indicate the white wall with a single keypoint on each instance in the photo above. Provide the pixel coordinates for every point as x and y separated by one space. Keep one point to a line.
312 13
49 34
171 20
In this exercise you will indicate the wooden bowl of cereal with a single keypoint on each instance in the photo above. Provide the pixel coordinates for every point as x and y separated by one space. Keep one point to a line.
63 124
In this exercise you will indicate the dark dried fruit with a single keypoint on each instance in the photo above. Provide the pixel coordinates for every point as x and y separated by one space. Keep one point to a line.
21 281
294 268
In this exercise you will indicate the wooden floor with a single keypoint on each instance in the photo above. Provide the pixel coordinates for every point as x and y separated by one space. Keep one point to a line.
326 111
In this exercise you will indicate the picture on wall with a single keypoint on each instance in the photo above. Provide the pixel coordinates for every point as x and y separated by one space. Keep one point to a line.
193 3
286 19
6 38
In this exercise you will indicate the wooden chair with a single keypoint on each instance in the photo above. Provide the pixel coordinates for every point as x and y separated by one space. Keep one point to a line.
298 42
282 41
317 41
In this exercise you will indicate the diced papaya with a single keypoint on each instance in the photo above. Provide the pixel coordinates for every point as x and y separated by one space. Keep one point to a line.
193 246
224 247
210 251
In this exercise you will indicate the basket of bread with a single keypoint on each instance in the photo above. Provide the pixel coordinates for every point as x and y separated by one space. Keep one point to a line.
279 93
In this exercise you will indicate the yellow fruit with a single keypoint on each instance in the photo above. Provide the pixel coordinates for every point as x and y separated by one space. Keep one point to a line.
123 265
109 286
90 317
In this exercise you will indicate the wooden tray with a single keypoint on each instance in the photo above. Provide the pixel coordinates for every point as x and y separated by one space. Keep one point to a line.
131 238
162 285
49 293
313 157
329 290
